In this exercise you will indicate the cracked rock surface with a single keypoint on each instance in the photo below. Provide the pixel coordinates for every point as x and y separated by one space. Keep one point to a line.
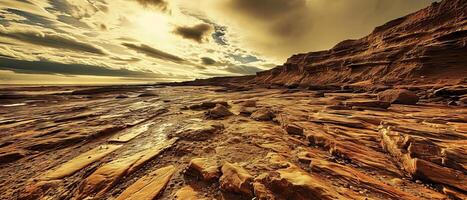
96 146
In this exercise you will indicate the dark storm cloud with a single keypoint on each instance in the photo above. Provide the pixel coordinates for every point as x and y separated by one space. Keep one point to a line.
284 18
32 18
208 61
54 41
47 67
159 4
152 52
196 33
242 69
281 28
267 9
219 33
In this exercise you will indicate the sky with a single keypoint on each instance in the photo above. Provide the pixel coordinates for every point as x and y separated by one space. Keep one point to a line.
146 41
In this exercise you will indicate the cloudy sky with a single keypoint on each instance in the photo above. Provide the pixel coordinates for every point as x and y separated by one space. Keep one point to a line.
110 41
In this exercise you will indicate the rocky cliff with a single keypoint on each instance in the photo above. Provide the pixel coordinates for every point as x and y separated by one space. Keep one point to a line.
428 46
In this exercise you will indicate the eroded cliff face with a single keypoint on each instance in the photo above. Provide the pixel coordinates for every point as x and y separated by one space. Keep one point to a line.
428 46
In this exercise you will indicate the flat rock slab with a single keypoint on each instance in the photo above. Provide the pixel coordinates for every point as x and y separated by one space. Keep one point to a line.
109 174
149 186
79 162
236 179
367 103
129 134
336 119
359 179
188 193
292 183
205 168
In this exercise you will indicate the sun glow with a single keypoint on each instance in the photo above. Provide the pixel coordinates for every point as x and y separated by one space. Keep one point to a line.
151 27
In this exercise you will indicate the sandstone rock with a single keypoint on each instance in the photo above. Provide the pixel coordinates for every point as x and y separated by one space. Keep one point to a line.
304 157
187 193
8 157
218 112
236 179
276 147
337 107
107 175
340 98
451 91
198 132
262 192
149 186
367 103
291 182
208 105
454 157
38 190
247 111
322 117
122 96
131 133
324 87
398 96
79 162
148 94
290 127
463 100
411 152
454 194
293 129
349 175
397 182
424 149
426 170
263 114
249 103
207 169
386 56
361 108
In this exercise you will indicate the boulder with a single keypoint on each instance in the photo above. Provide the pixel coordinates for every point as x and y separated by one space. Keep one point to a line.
249 103
247 111
398 96
293 129
288 126
198 132
220 111
263 114
236 179
208 105
204 168
262 192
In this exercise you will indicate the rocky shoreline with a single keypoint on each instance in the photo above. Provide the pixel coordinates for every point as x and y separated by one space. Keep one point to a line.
211 142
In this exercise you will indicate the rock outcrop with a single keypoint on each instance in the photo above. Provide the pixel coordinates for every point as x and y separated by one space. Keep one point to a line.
427 46
399 96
